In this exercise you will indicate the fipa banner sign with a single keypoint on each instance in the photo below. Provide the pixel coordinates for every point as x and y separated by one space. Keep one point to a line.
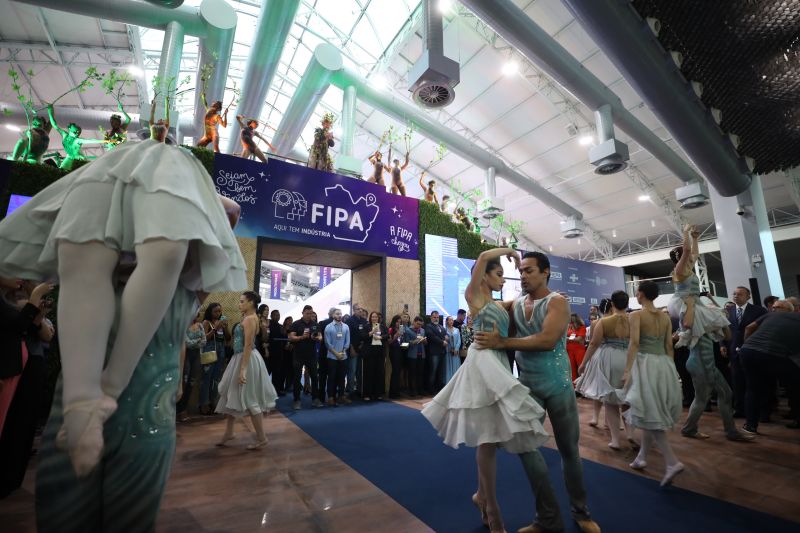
294 203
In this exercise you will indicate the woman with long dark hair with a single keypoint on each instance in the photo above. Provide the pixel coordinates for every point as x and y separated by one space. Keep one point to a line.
374 365
576 343
245 389
195 340
484 405
395 355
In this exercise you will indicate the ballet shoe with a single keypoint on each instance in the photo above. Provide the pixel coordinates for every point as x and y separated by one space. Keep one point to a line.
588 526
482 508
670 474
638 464
614 447
258 445
225 438
87 450
593 423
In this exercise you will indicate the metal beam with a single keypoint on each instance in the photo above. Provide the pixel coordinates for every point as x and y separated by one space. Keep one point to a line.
67 73
65 48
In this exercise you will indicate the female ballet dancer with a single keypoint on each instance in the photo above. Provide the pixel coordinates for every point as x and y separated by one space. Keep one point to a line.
148 199
652 386
695 318
604 363
582 383
245 388
484 405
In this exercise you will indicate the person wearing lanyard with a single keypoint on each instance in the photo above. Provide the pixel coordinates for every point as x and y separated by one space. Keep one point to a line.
337 340
304 336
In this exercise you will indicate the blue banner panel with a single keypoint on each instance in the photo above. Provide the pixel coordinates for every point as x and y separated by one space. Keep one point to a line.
291 202
585 283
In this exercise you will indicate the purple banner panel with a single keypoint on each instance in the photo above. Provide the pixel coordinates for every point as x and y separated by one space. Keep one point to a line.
275 284
293 203
324 277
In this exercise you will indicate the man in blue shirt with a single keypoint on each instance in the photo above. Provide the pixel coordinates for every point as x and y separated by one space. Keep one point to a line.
437 348
415 341
337 340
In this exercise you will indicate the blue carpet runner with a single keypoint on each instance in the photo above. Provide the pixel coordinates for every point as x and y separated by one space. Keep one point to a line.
396 449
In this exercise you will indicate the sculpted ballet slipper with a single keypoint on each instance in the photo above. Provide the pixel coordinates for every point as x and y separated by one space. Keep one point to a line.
85 419
672 471
224 440
258 445
638 464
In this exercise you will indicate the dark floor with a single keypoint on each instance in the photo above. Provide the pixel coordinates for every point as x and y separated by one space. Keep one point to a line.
294 484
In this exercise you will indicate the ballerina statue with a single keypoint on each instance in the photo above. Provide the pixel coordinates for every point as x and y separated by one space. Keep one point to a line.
398 186
430 190
72 141
378 167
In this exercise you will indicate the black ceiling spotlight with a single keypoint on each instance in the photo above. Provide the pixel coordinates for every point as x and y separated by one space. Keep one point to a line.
169 4
609 156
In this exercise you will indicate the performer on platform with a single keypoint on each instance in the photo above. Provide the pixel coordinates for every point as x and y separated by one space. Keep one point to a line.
378 167
160 129
541 317
118 133
33 145
211 122
430 190
71 140
249 147
319 157
483 405
398 186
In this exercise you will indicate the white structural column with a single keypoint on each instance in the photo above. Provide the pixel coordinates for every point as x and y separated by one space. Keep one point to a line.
745 240
346 163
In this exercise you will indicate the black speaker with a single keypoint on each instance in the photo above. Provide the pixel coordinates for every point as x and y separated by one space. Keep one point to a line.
754 292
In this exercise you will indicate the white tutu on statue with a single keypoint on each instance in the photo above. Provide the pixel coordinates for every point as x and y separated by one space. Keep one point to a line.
256 396
484 403
138 191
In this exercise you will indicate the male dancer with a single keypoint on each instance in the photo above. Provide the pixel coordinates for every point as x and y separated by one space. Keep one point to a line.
541 317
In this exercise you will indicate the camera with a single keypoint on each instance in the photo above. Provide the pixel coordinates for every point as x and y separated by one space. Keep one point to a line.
740 210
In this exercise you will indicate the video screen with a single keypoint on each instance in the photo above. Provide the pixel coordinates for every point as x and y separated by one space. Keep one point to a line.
16 201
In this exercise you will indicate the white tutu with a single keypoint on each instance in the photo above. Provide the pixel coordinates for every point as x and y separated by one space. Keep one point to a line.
484 403
603 375
136 192
653 393
709 321
256 396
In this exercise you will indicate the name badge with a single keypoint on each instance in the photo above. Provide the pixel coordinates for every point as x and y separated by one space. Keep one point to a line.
338 335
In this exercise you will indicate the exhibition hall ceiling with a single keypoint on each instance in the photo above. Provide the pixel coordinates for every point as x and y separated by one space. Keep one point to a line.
503 104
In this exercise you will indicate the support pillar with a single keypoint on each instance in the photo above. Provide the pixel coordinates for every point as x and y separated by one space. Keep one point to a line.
346 163
169 67
745 240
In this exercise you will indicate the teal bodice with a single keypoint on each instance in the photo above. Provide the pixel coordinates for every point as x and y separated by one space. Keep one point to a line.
550 369
490 316
651 344
238 338
616 343
690 285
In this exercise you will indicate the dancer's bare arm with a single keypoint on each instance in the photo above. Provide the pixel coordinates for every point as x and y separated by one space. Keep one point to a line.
633 343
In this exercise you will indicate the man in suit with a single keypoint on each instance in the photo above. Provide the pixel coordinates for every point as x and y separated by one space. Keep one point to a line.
741 315
437 347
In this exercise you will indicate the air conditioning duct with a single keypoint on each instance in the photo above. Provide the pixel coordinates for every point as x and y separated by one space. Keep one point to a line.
433 76
692 195
490 206
572 228
169 4
610 155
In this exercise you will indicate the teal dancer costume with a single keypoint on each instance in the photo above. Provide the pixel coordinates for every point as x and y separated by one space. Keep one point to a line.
124 492
548 376
483 403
